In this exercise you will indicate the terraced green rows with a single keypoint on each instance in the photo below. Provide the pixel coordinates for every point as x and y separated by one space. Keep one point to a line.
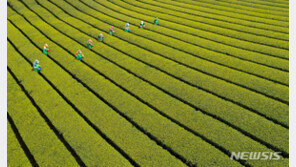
178 43
172 68
99 65
105 53
14 150
257 5
42 142
277 4
191 61
180 28
183 140
171 10
248 7
219 6
104 119
144 98
258 22
144 8
220 15
90 147
239 46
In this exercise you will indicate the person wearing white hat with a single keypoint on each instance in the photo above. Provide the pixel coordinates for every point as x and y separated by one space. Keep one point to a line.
127 27
36 66
142 24
101 38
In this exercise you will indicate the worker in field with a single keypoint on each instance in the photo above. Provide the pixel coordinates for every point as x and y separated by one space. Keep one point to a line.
142 24
45 49
89 44
111 30
101 38
156 21
126 28
79 55
36 66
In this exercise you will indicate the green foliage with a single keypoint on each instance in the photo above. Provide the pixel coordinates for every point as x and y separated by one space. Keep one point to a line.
217 21
187 93
102 115
282 4
137 68
147 100
270 108
170 53
202 47
261 7
40 139
247 20
15 154
91 147
168 19
279 15
254 15
157 125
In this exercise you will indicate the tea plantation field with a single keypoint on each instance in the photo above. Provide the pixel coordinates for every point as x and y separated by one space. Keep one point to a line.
211 79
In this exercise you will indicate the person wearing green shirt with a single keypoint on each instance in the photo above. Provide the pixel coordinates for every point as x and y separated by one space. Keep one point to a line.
156 21
36 66
142 24
89 44
127 27
111 30
101 38
79 55
45 49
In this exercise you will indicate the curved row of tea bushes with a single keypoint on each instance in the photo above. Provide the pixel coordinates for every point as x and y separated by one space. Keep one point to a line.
101 115
281 4
219 21
264 55
180 134
146 9
255 5
231 92
90 147
129 64
40 139
231 17
247 13
15 154
248 8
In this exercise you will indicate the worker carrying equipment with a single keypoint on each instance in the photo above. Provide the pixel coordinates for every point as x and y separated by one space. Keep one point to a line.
45 49
111 30
79 55
126 28
142 24
89 44
36 66
101 38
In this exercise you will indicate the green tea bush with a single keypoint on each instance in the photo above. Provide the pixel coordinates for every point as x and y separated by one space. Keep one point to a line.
90 146
247 20
281 20
165 82
180 135
216 20
144 9
267 111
